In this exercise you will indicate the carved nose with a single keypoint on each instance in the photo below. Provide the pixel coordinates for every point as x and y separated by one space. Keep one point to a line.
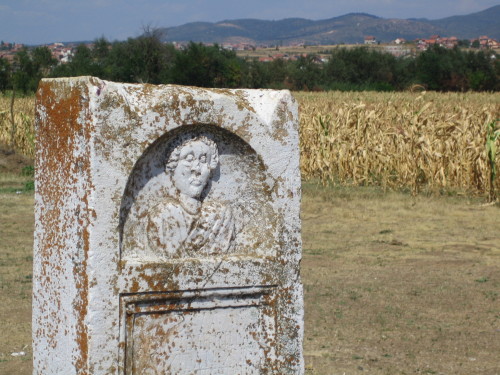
195 166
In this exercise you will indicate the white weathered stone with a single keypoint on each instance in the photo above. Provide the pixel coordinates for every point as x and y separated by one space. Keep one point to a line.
167 233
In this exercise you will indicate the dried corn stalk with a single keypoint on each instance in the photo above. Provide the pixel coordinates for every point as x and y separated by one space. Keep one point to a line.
416 141
23 139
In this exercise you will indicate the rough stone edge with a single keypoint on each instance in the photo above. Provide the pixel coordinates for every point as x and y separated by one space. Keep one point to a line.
86 81
61 240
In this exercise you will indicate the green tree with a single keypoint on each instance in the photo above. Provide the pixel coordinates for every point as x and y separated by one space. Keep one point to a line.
207 66
305 73
278 73
256 75
81 64
43 62
31 66
145 59
101 49
100 55
464 43
155 56
24 77
404 73
5 73
481 71
455 70
362 67
436 69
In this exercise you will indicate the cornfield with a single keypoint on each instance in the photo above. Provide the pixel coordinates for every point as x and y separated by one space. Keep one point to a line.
17 124
419 141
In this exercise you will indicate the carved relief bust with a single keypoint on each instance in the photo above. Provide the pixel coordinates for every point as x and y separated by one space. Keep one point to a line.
185 225
198 193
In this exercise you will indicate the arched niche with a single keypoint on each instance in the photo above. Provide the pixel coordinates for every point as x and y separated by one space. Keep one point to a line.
236 217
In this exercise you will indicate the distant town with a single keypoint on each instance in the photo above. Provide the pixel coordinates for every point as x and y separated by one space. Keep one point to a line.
400 47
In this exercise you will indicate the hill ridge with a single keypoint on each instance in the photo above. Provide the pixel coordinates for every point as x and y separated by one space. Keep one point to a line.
347 28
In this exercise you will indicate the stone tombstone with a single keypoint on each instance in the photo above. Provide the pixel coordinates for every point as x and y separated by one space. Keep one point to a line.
167 236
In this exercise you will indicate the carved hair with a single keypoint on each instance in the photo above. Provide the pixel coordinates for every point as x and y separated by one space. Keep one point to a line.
183 140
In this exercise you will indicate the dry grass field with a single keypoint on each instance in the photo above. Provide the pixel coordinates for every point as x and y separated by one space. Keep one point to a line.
286 50
321 50
394 284
16 249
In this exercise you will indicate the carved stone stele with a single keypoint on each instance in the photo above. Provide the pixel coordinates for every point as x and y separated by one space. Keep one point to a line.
167 235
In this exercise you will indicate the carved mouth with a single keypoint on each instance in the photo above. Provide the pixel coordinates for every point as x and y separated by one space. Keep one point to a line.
196 182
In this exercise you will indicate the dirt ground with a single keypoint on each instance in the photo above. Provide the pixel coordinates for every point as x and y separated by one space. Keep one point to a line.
394 284
400 285
11 162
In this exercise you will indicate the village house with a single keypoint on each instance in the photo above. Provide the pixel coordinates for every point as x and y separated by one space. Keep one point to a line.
5 46
494 44
265 59
484 42
8 55
17 47
369 39
8 51
446 42
487 43
60 52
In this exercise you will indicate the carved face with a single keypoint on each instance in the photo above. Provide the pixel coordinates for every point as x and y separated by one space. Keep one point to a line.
193 169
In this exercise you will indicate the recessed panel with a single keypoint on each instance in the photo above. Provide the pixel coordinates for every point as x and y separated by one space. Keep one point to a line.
212 333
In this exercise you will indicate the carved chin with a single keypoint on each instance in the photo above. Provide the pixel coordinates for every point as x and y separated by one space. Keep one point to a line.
195 190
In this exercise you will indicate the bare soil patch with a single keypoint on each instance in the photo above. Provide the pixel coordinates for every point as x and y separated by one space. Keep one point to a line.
394 284
12 162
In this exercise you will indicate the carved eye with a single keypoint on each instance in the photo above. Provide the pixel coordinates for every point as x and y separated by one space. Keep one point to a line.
203 158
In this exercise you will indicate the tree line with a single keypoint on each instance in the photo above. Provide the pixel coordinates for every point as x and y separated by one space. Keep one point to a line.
148 60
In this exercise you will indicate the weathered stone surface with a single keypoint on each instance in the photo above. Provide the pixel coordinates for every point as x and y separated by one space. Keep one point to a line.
167 230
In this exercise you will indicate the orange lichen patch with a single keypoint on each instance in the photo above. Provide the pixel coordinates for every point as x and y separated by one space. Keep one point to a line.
63 179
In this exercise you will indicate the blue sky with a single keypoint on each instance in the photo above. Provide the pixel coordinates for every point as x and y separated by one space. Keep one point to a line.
45 21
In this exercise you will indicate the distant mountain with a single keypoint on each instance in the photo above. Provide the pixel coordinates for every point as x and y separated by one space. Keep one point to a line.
350 28
473 25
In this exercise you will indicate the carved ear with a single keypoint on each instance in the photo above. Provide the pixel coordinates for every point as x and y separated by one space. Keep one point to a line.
214 160
170 166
